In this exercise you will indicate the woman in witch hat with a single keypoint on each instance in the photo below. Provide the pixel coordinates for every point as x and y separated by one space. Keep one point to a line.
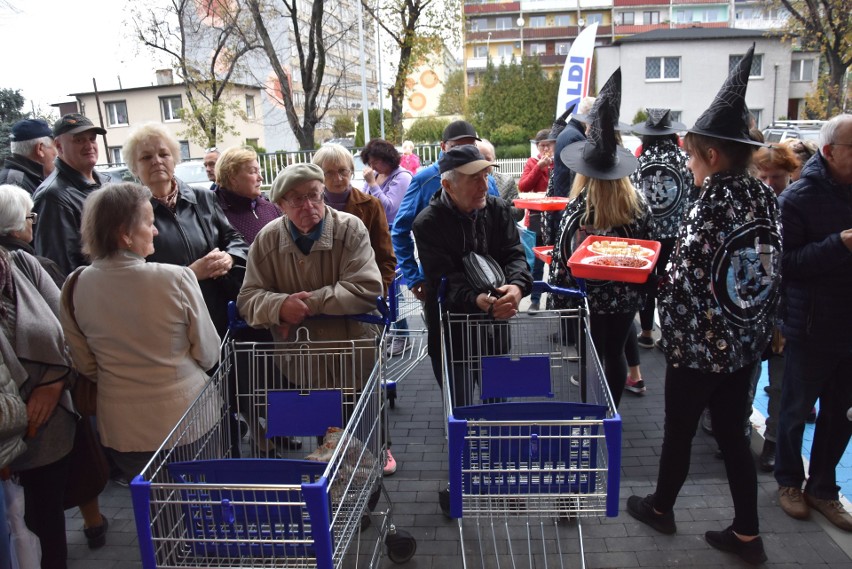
717 311
604 202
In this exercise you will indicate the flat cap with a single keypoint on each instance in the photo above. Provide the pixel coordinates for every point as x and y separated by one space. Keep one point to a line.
292 176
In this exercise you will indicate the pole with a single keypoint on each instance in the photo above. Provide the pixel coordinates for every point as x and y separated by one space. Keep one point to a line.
100 116
365 111
774 97
381 88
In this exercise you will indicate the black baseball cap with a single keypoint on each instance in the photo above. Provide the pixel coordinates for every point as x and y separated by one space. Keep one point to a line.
459 129
73 123
29 129
466 158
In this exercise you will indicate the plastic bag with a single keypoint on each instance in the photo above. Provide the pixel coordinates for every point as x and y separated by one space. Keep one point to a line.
26 548
528 241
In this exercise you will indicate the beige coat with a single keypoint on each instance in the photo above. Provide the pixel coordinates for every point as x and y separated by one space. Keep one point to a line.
143 333
341 274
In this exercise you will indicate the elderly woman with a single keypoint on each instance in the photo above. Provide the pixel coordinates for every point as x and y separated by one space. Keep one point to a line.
192 230
383 176
238 182
17 222
409 160
158 362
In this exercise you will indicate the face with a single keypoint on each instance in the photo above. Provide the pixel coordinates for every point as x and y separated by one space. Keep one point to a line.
210 164
303 205
337 177
838 154
699 167
380 166
775 178
26 234
247 181
141 236
46 155
448 144
80 151
154 162
468 191
545 148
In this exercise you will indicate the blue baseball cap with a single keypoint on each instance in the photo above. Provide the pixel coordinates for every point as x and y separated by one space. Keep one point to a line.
28 129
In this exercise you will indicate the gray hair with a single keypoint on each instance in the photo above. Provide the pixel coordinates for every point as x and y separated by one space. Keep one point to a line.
487 149
829 129
15 202
407 146
27 147
449 175
143 133
333 153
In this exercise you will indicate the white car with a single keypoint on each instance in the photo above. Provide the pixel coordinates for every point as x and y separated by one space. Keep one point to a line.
193 174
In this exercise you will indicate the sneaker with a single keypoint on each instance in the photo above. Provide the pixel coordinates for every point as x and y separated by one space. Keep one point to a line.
398 346
390 464
812 416
121 480
833 510
767 456
574 380
792 502
659 345
726 540
444 502
643 510
96 536
646 342
637 386
534 307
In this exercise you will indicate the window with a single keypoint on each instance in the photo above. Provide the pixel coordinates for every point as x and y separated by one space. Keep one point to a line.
116 113
538 22
170 107
758 117
594 19
756 64
675 115
184 150
562 47
503 24
114 153
802 70
478 24
650 18
480 51
562 20
662 68
625 18
680 16
537 48
250 106
253 142
505 51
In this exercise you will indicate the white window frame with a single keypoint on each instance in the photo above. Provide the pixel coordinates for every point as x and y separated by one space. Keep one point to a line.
562 20
538 22
648 17
797 70
113 115
505 51
480 51
622 17
733 59
250 108
503 24
184 150
594 19
562 47
662 78
114 154
167 110
537 48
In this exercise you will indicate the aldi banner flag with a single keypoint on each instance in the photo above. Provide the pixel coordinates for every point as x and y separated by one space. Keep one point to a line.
574 84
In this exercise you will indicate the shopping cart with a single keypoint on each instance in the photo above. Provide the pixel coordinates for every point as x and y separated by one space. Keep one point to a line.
406 343
197 506
533 435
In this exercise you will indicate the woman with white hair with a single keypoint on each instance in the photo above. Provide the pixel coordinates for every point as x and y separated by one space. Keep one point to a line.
17 224
409 160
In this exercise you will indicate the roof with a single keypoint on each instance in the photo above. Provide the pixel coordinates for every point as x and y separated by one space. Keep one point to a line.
698 33
151 87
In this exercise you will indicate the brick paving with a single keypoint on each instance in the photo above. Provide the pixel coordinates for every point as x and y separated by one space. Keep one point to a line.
417 425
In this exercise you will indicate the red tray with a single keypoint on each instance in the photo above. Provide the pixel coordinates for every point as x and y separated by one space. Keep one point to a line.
582 270
545 253
542 204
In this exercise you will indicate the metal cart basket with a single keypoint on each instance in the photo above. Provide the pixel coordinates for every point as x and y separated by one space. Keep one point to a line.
405 340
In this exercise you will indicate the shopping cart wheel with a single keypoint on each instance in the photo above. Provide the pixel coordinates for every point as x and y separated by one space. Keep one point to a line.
392 398
401 545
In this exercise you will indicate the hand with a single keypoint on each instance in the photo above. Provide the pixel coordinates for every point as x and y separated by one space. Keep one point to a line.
419 291
293 310
846 237
41 404
506 305
213 265
545 161
369 176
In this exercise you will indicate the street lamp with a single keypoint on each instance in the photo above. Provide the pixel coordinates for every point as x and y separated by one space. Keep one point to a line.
488 47
520 22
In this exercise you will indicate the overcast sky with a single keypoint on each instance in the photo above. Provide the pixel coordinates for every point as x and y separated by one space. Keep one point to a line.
55 47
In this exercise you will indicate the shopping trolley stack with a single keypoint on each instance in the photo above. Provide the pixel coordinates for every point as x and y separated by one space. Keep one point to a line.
405 341
534 438
317 408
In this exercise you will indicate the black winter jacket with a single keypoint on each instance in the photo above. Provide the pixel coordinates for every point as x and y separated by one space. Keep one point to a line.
198 226
22 171
817 266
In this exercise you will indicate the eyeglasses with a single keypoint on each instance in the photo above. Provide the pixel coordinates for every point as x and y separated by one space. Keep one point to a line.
299 201
33 217
342 173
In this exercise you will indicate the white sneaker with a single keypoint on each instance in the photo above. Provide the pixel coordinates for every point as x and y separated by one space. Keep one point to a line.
398 346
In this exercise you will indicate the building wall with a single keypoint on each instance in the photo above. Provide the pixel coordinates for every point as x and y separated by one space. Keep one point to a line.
425 85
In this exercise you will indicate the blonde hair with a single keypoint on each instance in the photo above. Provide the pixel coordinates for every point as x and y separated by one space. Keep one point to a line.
614 202
333 153
142 134
230 161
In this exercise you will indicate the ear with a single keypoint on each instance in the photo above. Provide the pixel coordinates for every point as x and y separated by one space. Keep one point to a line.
445 184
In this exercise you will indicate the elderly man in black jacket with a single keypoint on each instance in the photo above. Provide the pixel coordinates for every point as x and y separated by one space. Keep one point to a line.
462 219
33 153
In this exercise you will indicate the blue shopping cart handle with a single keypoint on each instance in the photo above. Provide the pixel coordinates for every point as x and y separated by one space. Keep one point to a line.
237 323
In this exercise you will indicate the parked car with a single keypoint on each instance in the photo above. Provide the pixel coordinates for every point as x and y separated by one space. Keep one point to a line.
117 174
782 130
193 174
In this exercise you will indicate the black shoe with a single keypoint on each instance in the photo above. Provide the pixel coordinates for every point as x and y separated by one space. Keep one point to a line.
749 551
767 457
643 510
96 536
645 342
444 501
812 416
767 389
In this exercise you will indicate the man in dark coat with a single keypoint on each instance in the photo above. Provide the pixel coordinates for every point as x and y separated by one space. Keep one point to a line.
33 153
816 219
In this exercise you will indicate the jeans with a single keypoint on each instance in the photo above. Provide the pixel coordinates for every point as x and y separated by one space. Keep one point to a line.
775 365
811 373
688 392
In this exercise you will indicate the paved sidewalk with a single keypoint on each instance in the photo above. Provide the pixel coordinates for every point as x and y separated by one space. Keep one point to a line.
417 425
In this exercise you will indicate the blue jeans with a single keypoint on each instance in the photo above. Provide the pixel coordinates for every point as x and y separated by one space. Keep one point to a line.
810 374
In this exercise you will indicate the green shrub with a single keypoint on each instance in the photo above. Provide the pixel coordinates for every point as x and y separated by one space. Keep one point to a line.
508 134
426 130
513 151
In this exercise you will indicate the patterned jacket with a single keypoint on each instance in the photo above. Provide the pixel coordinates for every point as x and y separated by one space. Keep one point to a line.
665 181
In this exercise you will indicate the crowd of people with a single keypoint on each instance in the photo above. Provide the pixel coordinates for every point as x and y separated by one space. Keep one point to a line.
731 213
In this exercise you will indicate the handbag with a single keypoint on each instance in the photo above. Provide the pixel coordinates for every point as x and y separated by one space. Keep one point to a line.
483 273
85 391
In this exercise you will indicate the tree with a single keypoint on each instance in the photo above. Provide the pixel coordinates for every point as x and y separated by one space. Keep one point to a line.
342 126
375 127
418 30
427 130
206 41
518 94
824 25
11 104
452 99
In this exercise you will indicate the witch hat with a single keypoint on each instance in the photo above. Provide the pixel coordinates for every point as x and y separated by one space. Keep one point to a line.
559 124
600 156
728 116
659 123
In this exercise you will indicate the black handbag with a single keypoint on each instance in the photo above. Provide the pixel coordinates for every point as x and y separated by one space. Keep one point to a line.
483 273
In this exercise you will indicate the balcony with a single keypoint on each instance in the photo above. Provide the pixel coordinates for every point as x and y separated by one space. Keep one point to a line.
491 8
629 30
634 3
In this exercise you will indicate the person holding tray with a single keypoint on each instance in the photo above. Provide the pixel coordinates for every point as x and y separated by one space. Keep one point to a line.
603 202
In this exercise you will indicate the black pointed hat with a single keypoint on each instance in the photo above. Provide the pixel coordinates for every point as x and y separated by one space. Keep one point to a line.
600 156
659 123
559 124
728 115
